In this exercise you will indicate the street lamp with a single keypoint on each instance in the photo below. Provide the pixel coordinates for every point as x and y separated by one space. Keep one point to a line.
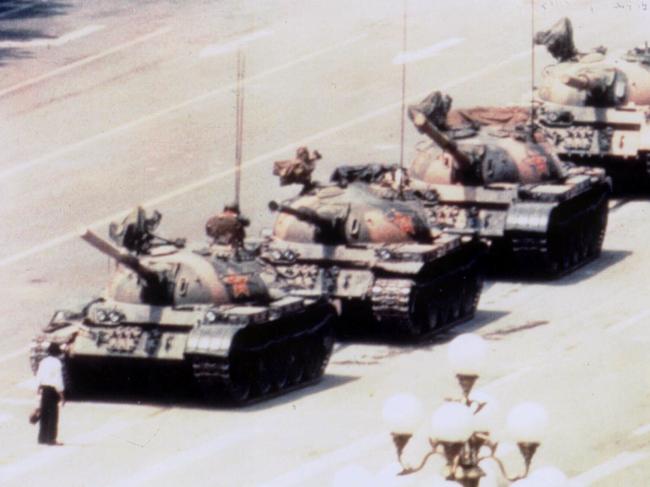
460 428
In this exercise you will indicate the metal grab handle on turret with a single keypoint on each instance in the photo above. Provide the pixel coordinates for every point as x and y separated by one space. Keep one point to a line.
424 126
581 82
120 255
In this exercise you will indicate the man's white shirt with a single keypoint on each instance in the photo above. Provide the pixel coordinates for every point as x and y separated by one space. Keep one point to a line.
50 373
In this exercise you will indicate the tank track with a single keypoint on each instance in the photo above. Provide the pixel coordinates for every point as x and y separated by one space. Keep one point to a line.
575 237
421 307
259 371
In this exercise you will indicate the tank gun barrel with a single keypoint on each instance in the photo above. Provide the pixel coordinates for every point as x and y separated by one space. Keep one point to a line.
425 126
120 255
304 214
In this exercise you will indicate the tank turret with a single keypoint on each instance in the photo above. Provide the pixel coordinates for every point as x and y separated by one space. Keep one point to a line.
467 151
595 107
496 175
225 318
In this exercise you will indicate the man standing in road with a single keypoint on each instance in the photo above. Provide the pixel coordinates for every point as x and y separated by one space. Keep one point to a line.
50 387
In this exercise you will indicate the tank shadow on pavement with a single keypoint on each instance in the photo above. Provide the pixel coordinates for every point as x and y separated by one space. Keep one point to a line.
187 397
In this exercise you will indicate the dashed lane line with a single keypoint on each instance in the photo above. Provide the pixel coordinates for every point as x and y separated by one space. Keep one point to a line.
15 354
628 322
82 62
182 459
303 473
300 475
59 41
43 458
218 49
642 430
251 162
619 462
427 52
21 167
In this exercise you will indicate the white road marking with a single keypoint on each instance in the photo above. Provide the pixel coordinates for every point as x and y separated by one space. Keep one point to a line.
15 354
220 175
217 49
165 111
427 52
622 325
38 460
4 417
619 462
17 402
82 62
509 377
182 459
642 430
59 41
300 475
30 384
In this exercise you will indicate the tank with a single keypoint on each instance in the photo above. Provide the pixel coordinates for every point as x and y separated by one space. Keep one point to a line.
594 107
495 175
216 313
369 247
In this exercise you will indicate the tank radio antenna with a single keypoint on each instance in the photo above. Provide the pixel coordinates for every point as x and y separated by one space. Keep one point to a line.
403 113
532 68
239 129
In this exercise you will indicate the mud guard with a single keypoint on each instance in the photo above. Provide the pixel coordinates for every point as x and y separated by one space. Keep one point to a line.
215 340
529 217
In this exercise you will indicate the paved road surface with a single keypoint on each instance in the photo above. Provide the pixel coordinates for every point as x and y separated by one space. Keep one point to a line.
105 105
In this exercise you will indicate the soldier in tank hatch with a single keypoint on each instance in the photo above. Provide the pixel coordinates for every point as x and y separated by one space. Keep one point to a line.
297 170
228 227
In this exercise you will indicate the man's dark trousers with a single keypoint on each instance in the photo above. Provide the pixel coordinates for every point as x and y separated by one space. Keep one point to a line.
49 415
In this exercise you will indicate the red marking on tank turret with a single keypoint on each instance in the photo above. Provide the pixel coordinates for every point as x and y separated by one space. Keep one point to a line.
402 221
238 284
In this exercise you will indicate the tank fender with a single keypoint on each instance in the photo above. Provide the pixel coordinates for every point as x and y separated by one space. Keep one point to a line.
531 217
215 340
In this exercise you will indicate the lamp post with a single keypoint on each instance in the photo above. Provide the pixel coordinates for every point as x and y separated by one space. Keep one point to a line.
460 428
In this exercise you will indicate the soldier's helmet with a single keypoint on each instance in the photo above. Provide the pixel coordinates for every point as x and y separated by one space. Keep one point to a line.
302 153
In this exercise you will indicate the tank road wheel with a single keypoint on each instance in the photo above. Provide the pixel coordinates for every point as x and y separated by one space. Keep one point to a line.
278 361
316 354
470 294
238 387
424 312
600 226
262 375
296 368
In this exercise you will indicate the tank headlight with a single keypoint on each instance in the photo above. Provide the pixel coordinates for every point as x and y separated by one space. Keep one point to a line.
238 320
289 255
102 315
384 254
211 316
114 317
276 255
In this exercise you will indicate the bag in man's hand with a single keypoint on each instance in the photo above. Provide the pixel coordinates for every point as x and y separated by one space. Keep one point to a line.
35 416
